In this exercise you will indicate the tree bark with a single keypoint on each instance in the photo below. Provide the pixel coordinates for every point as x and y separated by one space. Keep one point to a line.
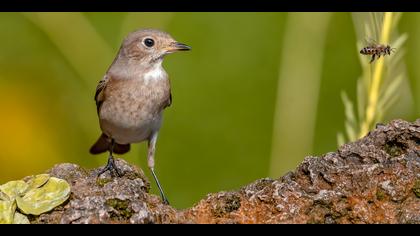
373 180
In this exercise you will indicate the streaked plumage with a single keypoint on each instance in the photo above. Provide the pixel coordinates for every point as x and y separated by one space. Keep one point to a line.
132 95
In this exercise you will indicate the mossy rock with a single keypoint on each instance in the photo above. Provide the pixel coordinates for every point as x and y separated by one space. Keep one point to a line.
122 208
416 188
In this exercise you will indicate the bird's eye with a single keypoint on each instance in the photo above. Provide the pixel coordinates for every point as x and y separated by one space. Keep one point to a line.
149 42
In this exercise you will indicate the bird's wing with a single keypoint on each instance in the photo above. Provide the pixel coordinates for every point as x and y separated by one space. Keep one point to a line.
169 102
169 99
99 95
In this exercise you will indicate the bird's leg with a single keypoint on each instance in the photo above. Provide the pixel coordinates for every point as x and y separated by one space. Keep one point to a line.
111 163
151 164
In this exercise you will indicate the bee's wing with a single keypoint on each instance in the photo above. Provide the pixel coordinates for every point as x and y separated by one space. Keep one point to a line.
370 41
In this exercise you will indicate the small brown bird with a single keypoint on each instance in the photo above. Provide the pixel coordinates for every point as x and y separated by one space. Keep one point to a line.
132 95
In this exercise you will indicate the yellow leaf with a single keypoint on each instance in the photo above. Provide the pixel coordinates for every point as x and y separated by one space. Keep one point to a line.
7 210
14 188
37 181
20 219
43 199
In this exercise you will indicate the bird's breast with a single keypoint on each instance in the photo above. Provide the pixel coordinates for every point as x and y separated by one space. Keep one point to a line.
132 109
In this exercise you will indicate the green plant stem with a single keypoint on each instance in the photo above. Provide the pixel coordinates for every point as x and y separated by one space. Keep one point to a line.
371 110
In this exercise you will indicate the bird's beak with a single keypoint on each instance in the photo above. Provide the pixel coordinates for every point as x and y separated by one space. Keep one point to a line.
175 46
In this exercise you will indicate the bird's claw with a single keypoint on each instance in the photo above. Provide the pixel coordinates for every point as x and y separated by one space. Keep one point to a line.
111 166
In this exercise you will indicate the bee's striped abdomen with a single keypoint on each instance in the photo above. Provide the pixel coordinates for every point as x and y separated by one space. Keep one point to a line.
367 51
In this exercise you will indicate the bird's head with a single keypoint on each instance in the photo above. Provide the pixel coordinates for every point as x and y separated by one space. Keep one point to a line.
149 46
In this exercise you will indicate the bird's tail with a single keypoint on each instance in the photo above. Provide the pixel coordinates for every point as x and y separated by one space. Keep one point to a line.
103 144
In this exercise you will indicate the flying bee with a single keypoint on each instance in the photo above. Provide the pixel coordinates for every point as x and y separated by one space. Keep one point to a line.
377 50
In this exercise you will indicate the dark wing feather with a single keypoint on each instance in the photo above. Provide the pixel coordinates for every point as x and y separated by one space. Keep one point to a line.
170 99
99 98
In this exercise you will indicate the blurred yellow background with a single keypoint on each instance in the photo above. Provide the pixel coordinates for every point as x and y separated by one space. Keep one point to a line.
219 133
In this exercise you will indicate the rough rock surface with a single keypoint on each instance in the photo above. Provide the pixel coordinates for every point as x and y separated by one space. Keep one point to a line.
373 180
107 199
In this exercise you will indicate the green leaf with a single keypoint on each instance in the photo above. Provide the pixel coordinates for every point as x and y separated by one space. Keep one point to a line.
389 93
351 132
377 23
361 99
7 210
388 75
14 188
37 181
40 200
400 41
351 122
348 106
391 102
397 17
20 219
372 28
3 196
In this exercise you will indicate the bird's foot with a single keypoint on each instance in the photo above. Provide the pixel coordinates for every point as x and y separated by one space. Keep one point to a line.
111 166
165 200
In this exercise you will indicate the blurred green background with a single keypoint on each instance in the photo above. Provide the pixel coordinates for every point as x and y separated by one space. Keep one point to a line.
258 92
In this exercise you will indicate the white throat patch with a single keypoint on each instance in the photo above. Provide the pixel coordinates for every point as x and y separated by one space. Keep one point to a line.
156 73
